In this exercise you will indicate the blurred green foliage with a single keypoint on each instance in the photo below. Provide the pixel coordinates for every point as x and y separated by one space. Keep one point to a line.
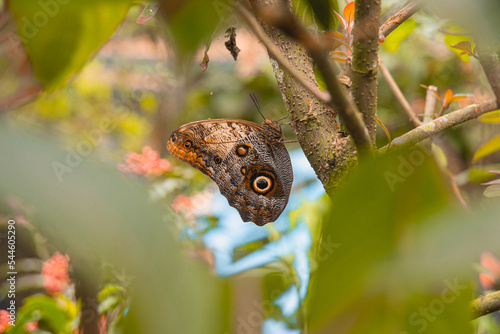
401 264
401 243
95 213
59 36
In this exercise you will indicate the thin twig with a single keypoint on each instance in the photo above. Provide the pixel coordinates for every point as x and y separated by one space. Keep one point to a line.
454 33
485 305
458 193
399 94
430 103
276 54
402 15
429 113
444 122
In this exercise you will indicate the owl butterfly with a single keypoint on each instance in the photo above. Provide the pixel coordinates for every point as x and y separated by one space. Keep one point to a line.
248 161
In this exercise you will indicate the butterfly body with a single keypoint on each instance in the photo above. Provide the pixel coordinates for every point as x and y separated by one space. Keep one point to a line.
248 161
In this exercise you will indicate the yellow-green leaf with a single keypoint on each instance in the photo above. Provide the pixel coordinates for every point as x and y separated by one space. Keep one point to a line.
489 147
492 191
60 36
491 117
394 39
480 173
451 39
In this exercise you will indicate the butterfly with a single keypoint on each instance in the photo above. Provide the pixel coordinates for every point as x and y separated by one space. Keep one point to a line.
248 161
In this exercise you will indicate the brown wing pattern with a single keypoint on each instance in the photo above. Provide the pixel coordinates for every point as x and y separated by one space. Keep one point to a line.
248 161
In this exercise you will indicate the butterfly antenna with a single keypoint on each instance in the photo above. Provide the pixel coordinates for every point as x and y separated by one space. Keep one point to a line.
282 118
256 102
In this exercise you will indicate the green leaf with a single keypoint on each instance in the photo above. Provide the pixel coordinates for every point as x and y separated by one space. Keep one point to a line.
193 22
452 40
322 11
92 212
148 12
110 290
46 309
402 264
109 304
61 35
490 117
478 173
492 191
110 297
463 46
309 13
487 148
319 78
394 39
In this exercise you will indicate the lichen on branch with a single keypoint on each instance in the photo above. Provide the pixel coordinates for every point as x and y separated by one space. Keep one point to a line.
365 60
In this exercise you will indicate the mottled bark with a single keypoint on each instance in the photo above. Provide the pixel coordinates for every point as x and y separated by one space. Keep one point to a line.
485 304
491 67
86 290
365 60
328 150
449 120
402 15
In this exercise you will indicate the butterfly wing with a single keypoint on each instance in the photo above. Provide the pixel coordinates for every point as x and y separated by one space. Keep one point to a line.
248 161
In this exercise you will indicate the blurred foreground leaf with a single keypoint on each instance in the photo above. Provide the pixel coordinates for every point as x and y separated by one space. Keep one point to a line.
60 36
403 264
452 40
192 23
95 213
322 11
491 146
317 13
52 314
394 39
490 117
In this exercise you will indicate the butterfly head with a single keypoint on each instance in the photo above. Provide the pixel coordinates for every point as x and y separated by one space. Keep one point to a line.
273 130
179 144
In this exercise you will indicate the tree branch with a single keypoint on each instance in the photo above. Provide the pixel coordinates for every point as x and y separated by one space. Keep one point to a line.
429 114
280 16
446 121
276 54
365 60
485 305
399 94
430 104
340 102
402 15
491 67
329 151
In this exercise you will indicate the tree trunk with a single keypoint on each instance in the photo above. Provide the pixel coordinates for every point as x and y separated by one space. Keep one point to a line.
326 146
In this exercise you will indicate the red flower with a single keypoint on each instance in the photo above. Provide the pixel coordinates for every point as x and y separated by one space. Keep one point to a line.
4 320
103 324
55 273
31 326
147 163
182 202
490 280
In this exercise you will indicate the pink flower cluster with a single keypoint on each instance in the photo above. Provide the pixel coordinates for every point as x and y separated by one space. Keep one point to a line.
147 163
55 273
5 319
490 280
